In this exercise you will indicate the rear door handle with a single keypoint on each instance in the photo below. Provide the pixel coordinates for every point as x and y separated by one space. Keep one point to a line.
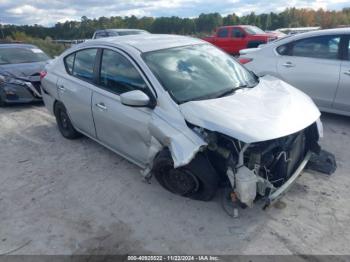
61 87
288 64
101 106
347 73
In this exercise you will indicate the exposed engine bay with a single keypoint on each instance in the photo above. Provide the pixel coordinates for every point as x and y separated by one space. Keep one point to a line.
260 169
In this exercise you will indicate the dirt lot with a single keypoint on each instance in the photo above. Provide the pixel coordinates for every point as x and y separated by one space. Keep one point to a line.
74 197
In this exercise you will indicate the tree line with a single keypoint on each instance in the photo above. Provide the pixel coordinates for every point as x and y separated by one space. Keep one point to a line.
201 25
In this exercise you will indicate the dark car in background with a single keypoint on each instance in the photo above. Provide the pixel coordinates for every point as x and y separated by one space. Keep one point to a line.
117 32
20 67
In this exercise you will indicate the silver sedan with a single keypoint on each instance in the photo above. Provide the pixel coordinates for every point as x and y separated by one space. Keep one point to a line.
318 63
186 112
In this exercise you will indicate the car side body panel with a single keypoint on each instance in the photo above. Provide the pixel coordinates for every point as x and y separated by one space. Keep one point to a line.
122 127
76 95
341 101
305 73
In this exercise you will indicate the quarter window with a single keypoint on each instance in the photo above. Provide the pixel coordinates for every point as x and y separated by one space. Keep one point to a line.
84 64
69 62
324 47
118 75
283 50
223 32
100 35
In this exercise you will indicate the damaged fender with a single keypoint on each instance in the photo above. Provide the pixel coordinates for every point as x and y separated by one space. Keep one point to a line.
181 141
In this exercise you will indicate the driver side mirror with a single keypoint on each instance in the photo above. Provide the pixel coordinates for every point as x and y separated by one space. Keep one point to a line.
135 98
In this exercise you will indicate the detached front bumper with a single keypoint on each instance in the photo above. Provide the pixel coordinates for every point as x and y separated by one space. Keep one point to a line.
280 192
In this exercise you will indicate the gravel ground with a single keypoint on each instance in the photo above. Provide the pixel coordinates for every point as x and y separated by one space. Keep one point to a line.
76 197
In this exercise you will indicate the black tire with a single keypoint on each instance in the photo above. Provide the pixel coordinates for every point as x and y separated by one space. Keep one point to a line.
197 180
64 124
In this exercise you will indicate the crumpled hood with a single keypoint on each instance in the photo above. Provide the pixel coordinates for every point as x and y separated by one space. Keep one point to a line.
270 110
25 71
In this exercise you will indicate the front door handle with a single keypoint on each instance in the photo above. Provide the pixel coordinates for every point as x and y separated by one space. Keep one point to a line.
288 64
61 87
347 73
101 106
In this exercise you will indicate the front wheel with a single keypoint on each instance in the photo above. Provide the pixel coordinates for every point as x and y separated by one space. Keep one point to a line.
64 124
197 180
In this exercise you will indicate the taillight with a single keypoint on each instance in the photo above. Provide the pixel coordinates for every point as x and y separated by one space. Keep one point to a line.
244 60
42 74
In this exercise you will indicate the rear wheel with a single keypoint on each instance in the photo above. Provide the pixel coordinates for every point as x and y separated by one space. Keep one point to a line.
64 124
197 180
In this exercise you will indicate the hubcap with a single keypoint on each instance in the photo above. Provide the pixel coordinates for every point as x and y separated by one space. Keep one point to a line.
182 182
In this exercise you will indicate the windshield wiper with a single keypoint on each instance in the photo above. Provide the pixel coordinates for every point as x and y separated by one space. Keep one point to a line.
219 94
232 90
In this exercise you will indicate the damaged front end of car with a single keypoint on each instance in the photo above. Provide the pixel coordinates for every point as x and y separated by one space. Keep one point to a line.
15 89
262 169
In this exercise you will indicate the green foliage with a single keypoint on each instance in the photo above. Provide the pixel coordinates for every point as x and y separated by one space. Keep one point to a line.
50 48
201 25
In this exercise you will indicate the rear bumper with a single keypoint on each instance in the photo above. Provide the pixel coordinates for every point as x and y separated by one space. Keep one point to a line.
280 192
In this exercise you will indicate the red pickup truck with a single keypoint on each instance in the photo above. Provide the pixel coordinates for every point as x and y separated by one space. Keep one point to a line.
232 39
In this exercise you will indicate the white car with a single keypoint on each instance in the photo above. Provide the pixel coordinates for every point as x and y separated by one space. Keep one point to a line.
185 111
318 63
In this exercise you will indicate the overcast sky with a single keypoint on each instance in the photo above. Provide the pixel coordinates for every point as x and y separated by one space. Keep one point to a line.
48 12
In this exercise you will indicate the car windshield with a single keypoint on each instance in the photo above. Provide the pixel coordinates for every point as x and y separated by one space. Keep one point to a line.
197 72
253 30
19 55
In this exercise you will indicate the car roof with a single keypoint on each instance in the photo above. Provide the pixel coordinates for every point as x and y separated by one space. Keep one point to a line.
335 31
231 26
117 30
146 42
17 45
345 30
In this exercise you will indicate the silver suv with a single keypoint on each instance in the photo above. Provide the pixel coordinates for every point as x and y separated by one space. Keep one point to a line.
186 112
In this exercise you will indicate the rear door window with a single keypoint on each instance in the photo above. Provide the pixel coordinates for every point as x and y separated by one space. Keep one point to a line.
118 75
323 47
223 32
84 63
237 33
69 63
